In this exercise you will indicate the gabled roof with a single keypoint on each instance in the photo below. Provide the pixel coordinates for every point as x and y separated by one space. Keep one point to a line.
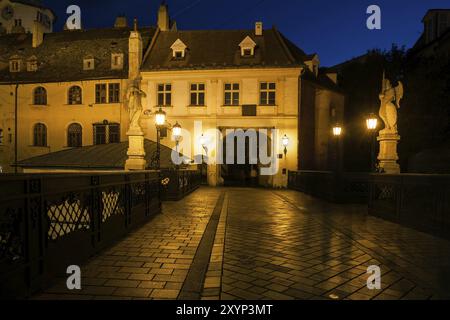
106 156
60 56
219 49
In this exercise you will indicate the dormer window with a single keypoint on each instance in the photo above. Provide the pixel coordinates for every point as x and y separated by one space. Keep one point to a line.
15 64
88 63
117 61
247 47
32 64
178 49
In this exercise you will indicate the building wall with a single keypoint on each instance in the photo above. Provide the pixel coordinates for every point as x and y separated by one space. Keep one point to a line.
57 115
28 14
283 116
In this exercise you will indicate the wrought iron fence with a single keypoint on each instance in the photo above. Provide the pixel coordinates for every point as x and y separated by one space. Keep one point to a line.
420 201
331 186
176 184
51 221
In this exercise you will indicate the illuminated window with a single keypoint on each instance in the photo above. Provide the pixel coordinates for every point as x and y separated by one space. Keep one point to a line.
75 135
231 94
40 135
40 96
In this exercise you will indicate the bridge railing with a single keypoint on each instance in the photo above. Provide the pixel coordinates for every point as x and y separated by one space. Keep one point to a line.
420 201
176 184
51 221
331 186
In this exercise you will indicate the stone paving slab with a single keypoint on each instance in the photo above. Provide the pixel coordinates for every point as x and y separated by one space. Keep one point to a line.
268 244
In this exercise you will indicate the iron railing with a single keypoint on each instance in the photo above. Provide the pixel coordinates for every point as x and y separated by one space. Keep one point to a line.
420 201
51 221
331 186
176 184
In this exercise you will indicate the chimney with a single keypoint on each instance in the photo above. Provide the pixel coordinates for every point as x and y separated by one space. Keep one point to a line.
121 22
258 28
163 17
134 52
38 34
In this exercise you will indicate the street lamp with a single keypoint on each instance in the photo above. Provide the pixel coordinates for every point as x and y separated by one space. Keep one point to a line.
337 132
202 141
372 123
160 120
285 142
176 134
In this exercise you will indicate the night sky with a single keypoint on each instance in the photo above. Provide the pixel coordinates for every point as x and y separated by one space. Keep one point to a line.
335 29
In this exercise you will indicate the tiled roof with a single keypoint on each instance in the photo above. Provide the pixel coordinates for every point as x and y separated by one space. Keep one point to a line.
219 49
60 56
106 156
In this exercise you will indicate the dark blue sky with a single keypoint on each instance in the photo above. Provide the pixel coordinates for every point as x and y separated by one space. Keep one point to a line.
335 29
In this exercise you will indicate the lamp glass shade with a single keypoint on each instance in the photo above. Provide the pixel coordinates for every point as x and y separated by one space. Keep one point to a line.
372 122
202 140
160 117
285 141
176 130
337 131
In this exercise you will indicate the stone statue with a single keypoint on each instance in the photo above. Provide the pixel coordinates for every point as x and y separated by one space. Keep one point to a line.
390 101
134 97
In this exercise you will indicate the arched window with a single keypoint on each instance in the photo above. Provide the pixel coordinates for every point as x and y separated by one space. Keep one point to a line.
74 95
74 135
40 135
40 96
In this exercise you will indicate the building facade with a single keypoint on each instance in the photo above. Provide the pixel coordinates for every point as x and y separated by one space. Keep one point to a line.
19 16
211 82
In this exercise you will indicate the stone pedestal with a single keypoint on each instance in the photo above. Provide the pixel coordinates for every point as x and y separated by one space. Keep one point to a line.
136 153
388 152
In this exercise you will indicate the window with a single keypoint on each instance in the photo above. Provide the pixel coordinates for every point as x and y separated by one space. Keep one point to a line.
40 135
106 133
32 64
117 61
15 64
178 49
18 22
74 135
107 93
114 93
114 133
40 96
1 136
197 94
88 63
247 47
164 94
75 95
100 93
247 52
231 94
267 93
99 133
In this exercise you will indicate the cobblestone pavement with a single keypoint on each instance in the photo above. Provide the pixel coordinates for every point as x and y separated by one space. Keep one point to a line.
267 245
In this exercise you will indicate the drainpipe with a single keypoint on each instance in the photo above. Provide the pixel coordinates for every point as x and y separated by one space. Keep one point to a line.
15 127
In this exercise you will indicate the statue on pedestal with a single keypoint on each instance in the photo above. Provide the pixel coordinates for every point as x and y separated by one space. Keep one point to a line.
390 101
136 152
388 137
134 98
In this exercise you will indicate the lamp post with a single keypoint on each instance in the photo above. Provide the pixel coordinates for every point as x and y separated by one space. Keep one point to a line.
372 123
176 133
337 132
160 120
202 141
285 142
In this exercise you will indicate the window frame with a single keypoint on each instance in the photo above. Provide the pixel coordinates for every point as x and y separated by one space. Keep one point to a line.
40 135
76 136
109 93
70 101
231 91
40 99
267 91
197 93
165 93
